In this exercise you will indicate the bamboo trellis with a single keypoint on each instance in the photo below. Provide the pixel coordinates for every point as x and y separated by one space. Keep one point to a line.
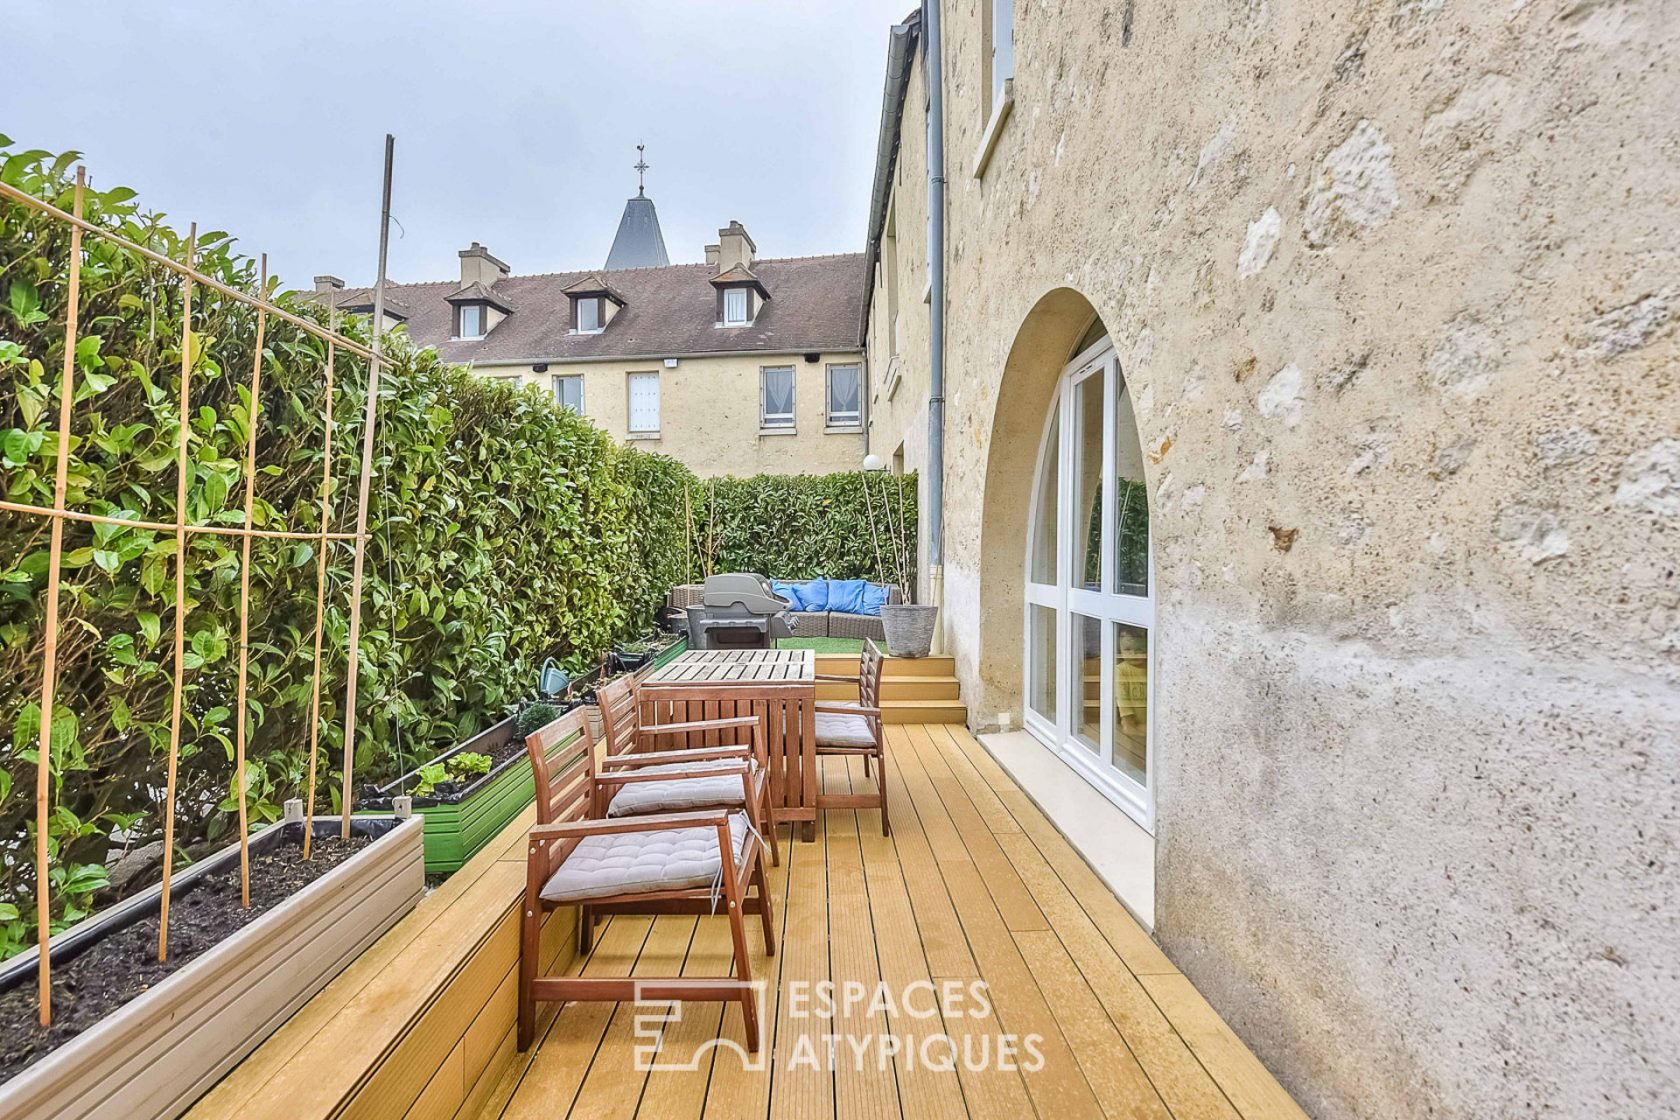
57 514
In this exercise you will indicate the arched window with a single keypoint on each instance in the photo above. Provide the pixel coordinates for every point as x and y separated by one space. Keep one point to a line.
1090 607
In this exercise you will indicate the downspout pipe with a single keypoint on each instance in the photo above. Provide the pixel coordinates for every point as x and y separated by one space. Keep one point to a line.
933 43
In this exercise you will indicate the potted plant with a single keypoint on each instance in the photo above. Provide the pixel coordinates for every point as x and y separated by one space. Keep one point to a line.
908 626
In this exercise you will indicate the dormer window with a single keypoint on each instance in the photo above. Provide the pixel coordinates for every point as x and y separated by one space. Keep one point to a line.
593 305
469 320
735 306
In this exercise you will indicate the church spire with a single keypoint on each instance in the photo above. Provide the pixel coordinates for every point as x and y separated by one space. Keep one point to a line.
639 242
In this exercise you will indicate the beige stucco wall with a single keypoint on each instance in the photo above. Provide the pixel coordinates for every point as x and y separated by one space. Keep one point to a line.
1400 279
709 411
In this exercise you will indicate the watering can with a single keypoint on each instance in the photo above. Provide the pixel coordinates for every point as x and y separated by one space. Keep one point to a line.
553 679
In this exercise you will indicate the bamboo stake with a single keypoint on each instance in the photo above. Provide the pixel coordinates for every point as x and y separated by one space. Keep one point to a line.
320 612
186 270
169 526
180 593
61 485
245 599
370 415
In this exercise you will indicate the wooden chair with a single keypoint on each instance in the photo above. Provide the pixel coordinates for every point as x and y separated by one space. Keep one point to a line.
671 863
845 728
634 780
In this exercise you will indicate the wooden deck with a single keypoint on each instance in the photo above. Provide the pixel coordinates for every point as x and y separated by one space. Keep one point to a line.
974 885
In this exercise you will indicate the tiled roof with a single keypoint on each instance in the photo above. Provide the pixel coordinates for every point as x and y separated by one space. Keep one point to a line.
816 305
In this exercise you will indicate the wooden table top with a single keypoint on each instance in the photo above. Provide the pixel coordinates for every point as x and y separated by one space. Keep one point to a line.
738 666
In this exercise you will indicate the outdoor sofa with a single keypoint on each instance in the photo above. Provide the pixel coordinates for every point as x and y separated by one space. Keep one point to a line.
812 600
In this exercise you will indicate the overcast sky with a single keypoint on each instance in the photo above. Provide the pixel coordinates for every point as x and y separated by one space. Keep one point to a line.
516 120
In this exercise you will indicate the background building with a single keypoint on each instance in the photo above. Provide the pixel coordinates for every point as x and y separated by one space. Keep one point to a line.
1312 488
739 365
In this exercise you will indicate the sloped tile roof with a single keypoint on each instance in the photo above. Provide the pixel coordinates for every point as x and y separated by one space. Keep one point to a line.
816 304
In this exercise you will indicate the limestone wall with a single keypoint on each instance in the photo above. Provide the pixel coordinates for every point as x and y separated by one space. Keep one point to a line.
1393 284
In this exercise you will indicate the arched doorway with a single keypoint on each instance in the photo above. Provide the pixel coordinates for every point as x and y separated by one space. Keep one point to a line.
1089 618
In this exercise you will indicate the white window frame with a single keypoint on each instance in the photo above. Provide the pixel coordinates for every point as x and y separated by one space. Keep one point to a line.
729 294
600 305
559 399
483 313
853 419
780 421
1108 605
630 382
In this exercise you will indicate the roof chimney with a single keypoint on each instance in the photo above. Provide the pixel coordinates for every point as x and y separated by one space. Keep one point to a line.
734 248
478 266
328 284
712 255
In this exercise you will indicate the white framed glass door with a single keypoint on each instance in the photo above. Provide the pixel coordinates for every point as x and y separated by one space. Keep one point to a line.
1090 608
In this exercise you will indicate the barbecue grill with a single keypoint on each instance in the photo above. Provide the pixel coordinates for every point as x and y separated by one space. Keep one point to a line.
738 610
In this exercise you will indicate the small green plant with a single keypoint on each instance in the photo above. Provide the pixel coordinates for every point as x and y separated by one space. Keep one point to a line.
457 768
469 765
533 716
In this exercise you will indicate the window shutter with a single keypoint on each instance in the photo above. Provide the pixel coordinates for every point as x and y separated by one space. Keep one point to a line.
644 402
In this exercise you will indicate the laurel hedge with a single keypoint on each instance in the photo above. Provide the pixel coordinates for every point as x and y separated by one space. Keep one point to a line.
504 530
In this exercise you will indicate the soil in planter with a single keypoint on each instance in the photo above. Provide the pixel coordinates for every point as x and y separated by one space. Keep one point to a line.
124 964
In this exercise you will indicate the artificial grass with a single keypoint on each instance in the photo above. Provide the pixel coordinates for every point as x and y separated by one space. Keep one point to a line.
822 645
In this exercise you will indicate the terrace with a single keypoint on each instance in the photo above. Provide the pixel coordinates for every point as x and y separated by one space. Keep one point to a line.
975 884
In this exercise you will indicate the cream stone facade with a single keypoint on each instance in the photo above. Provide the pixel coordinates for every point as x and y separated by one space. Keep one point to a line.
1392 288
709 410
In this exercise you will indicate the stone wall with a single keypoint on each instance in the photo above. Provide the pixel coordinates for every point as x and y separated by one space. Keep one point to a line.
1393 284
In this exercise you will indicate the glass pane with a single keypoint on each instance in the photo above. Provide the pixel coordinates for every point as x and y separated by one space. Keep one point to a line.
1131 502
1087 494
472 321
1041 657
735 305
589 314
1087 661
1044 529
568 391
1131 701
843 392
778 398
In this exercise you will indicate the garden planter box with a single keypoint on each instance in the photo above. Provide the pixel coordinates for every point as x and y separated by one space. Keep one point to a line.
155 1055
457 827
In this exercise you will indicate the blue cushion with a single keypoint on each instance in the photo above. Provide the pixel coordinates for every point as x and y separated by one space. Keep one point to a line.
874 598
788 591
813 595
846 595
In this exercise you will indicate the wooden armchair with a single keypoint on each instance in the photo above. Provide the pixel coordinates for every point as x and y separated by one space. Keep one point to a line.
671 863
729 772
846 728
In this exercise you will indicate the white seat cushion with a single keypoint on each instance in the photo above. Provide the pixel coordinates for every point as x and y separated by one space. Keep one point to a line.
673 859
635 799
843 729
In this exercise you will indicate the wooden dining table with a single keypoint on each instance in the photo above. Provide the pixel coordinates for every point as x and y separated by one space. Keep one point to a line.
777 685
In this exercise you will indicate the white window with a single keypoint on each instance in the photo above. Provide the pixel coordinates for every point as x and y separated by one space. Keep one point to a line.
1003 45
1090 607
589 315
644 402
776 397
470 321
845 396
568 391
734 306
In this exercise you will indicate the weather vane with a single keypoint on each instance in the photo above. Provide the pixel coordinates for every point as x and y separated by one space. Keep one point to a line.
641 166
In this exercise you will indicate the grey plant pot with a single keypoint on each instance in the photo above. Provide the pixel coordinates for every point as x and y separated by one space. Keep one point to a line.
909 628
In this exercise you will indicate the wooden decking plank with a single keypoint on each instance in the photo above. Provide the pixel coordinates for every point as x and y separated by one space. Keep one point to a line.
943 942
674 1093
797 1091
1013 899
1110 1068
614 1081
997 816
1249 1085
1058 1088
1174 1071
564 1054
866 1074
942 833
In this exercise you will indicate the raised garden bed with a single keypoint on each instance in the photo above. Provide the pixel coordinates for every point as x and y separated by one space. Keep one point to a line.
136 1038
462 817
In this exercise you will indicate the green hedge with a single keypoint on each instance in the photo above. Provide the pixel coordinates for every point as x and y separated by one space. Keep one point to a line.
805 526
505 530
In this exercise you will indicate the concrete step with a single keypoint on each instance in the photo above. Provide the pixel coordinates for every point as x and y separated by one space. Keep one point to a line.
895 688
